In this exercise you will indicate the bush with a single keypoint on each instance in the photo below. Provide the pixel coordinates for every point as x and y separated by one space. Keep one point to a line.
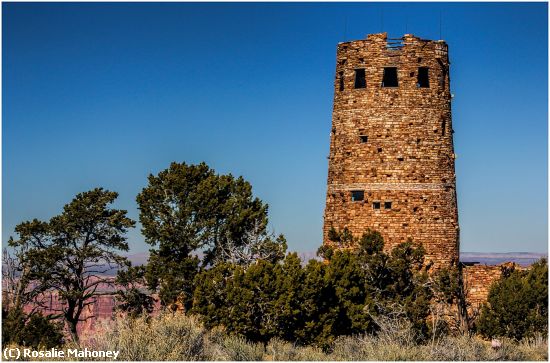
517 305
319 302
34 330
179 337
170 336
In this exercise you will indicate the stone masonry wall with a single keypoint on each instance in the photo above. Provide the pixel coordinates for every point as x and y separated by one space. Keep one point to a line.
395 144
479 278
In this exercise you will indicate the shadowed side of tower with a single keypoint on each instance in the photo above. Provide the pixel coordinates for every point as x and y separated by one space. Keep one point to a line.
391 162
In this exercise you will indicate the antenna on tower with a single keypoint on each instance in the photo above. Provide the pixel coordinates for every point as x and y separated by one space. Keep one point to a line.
345 27
440 21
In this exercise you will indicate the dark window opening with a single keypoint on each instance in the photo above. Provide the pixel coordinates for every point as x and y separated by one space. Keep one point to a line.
360 81
376 205
443 75
400 158
379 149
411 74
423 80
357 195
419 60
363 138
341 79
443 126
390 77
387 205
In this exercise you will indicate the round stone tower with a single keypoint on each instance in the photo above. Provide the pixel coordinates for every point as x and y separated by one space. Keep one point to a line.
391 162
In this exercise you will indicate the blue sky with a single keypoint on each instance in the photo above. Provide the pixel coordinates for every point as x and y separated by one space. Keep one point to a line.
104 94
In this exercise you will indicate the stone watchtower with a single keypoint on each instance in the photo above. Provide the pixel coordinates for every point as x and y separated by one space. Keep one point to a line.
391 162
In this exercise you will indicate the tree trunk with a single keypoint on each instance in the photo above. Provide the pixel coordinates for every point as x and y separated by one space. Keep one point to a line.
72 330
462 304
72 319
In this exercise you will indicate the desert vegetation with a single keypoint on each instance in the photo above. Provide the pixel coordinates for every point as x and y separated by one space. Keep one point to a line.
229 290
176 337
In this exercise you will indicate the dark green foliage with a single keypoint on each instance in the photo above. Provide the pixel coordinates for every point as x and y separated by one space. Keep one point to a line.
131 297
317 303
334 295
244 300
446 284
172 276
69 253
34 330
517 305
447 287
188 208
341 239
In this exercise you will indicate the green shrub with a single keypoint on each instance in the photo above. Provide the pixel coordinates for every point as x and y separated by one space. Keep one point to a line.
171 336
517 305
34 330
319 302
179 337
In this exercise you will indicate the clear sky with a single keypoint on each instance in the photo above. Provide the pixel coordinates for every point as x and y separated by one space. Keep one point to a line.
104 94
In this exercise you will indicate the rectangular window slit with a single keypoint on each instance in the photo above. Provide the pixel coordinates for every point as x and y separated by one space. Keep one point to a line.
423 80
357 195
360 81
443 75
390 77
363 138
341 80
376 205
387 205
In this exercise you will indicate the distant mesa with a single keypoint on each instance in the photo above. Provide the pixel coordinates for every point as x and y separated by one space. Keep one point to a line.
521 258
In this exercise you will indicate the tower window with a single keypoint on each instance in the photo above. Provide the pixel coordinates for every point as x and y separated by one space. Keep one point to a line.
341 80
387 205
390 77
363 138
357 195
423 80
376 205
360 81
443 127
443 75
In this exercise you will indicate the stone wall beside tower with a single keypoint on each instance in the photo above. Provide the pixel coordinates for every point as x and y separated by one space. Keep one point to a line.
391 162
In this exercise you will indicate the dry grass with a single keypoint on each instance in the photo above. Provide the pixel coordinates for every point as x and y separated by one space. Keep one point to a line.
178 337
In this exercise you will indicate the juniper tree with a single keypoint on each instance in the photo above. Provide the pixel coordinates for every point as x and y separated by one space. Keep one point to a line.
188 209
517 305
131 297
70 254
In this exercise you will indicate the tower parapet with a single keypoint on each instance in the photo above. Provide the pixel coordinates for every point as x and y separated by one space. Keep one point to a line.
391 162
